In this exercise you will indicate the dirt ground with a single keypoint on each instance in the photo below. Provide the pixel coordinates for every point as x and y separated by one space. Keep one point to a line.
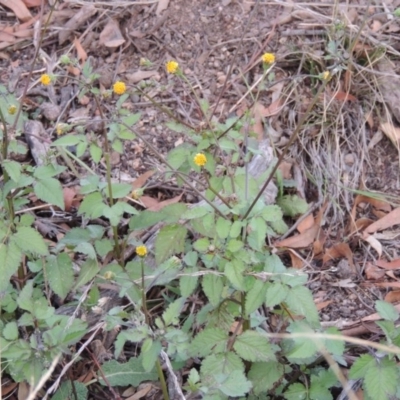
340 155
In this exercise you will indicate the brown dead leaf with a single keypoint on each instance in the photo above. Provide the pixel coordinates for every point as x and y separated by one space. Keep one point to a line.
257 114
165 203
161 6
19 9
323 304
343 96
393 218
140 75
141 393
392 132
340 250
82 55
394 264
286 168
32 3
305 238
111 35
393 296
373 273
141 180
149 202
274 108
307 223
297 262
374 242
69 196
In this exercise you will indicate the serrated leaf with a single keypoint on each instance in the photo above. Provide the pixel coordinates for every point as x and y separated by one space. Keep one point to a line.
300 300
319 392
68 140
197 212
150 355
170 241
296 391
30 241
263 375
301 347
223 227
236 229
212 287
201 245
235 384
381 379
120 190
188 284
92 205
212 339
224 363
171 314
131 119
234 272
13 169
258 234
50 191
276 294
386 310
60 274
234 245
335 347
253 346
274 264
95 152
292 205
177 157
125 374
88 271
361 365
10 258
271 213
10 331
67 391
255 297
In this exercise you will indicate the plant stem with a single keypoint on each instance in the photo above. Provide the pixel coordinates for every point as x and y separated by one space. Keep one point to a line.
291 141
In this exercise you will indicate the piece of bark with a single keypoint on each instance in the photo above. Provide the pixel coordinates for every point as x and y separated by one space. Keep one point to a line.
38 141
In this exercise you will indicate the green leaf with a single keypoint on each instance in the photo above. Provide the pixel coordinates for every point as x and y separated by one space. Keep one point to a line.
274 264
30 241
255 296
381 379
319 392
170 241
95 152
223 227
10 258
361 365
235 384
92 205
10 331
234 245
236 229
150 354
177 127
336 347
67 391
301 347
197 212
234 272
60 274
125 374
171 314
386 310
209 340
50 191
131 119
253 346
263 375
256 238
187 283
120 190
88 271
292 205
177 157
276 294
300 300
296 391
212 286
201 245
13 169
69 140
271 213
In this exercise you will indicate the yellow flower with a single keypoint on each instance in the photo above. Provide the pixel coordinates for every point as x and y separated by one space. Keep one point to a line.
59 129
45 79
12 109
268 58
119 87
200 159
326 75
172 67
141 251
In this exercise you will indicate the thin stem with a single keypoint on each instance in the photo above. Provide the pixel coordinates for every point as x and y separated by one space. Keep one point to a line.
291 141
162 380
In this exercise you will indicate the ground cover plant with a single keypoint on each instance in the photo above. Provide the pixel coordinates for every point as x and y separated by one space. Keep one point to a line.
110 292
